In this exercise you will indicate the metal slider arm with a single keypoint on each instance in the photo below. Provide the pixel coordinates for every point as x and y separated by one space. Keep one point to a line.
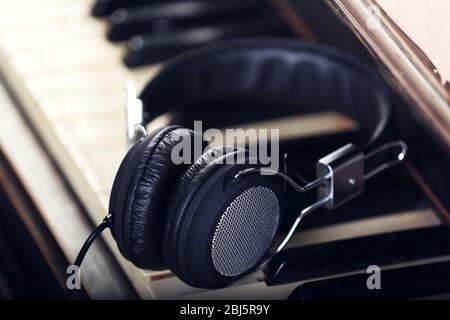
341 176
267 171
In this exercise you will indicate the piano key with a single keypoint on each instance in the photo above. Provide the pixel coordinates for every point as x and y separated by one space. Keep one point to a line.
424 281
162 17
49 10
154 48
51 34
357 253
105 7
63 60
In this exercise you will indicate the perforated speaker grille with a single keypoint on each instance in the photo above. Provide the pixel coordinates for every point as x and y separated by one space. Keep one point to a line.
245 231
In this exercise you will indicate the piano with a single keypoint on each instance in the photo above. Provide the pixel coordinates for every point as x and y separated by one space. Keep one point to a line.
63 72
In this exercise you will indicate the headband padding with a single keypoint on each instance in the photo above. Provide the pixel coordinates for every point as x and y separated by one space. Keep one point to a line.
270 73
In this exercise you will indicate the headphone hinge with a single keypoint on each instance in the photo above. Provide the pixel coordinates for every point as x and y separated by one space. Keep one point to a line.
344 170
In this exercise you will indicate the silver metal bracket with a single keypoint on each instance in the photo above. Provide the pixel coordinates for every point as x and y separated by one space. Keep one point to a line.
348 169
345 169
134 116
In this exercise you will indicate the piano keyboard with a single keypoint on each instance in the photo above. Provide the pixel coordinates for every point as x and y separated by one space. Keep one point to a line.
69 80
70 83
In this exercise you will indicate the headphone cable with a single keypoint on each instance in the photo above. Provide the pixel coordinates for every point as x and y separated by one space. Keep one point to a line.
106 223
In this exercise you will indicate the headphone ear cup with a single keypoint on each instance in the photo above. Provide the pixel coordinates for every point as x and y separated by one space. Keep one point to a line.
141 193
194 175
218 229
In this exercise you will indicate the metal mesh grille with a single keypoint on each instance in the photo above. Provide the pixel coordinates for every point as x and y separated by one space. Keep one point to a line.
245 231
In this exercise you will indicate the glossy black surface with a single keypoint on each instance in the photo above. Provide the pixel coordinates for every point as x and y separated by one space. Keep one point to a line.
156 31
155 48
105 7
161 18
423 281
355 255
391 193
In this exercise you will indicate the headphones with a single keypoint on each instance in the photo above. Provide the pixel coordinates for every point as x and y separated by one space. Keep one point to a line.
212 223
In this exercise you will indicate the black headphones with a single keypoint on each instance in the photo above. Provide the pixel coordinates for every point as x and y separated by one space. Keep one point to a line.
212 223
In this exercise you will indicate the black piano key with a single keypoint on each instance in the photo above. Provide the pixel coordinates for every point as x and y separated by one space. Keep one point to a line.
162 17
156 48
103 8
424 281
355 255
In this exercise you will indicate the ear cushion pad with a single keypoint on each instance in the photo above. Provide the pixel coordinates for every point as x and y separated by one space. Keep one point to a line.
120 187
154 176
189 181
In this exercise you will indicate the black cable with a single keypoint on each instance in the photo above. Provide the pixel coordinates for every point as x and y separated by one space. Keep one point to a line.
106 223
